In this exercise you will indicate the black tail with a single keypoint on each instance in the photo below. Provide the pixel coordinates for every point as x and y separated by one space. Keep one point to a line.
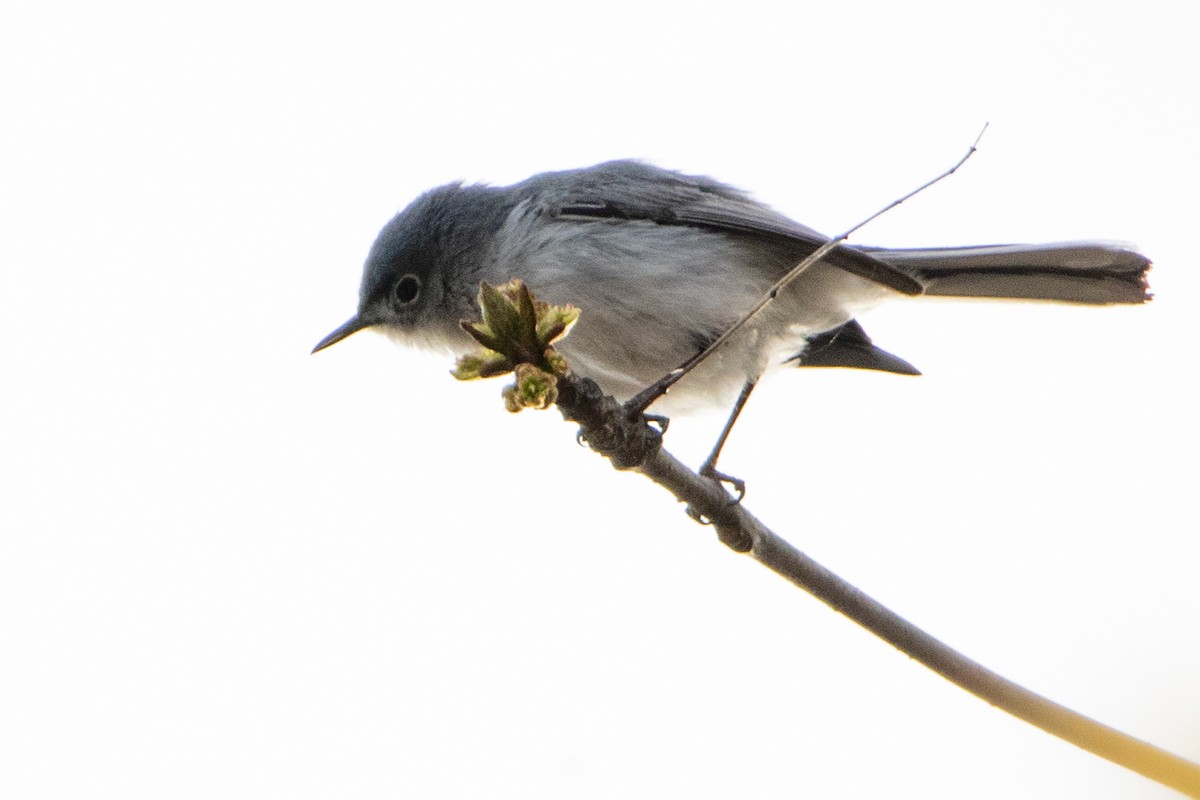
1097 273
849 346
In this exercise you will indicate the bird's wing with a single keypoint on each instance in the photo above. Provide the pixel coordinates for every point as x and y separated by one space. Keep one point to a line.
631 190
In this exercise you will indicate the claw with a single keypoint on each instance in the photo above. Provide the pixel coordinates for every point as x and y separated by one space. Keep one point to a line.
659 420
739 485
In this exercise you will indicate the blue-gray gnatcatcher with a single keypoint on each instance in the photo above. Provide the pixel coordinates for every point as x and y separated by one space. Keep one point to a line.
661 263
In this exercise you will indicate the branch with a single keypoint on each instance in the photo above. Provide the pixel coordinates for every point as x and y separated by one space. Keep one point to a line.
518 333
630 443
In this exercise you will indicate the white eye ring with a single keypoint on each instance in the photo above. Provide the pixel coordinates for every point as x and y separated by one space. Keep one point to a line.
407 289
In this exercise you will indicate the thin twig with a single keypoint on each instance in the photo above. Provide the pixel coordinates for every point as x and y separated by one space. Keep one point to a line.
660 387
631 443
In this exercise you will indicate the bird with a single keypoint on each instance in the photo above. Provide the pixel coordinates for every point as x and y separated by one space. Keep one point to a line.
660 263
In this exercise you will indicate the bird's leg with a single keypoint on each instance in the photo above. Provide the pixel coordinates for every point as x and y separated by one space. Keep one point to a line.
709 468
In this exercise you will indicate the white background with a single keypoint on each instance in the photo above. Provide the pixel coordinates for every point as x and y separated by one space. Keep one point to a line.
229 569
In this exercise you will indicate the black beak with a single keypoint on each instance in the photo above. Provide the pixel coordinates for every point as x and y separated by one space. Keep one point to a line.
350 326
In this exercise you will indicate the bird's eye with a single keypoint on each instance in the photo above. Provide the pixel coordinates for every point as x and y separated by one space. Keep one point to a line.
407 289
